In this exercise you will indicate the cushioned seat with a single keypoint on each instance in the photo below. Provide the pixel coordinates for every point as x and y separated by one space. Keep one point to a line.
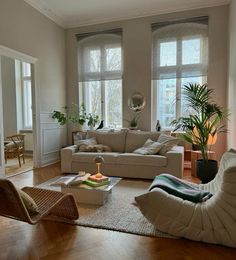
212 221
124 161
138 159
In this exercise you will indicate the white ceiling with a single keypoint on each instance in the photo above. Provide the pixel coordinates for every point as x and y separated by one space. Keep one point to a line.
73 13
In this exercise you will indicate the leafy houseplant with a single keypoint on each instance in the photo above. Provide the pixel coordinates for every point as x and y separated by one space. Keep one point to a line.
133 122
92 120
202 126
74 114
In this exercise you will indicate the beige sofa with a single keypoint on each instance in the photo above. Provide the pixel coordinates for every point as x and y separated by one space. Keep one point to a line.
122 161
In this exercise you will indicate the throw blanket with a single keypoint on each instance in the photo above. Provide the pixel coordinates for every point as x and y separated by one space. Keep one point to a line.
179 188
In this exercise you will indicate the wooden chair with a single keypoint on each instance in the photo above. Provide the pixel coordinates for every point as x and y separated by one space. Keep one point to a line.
15 148
52 205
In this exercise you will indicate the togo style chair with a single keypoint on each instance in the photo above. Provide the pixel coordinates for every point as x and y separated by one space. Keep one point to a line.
51 204
212 221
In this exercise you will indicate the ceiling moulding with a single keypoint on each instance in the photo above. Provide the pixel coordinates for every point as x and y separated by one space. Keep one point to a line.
74 24
42 8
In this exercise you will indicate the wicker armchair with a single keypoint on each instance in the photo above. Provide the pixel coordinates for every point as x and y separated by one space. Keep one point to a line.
15 147
52 205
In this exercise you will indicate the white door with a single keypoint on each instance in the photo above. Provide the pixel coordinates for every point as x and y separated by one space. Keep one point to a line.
2 160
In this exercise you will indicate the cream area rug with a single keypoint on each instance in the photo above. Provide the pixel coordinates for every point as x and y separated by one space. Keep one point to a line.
119 213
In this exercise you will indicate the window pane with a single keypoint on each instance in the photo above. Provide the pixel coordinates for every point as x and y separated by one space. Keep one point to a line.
191 51
113 59
94 64
168 53
93 97
166 101
26 69
113 103
27 105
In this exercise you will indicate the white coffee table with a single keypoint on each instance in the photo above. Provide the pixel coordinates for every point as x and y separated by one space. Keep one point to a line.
83 193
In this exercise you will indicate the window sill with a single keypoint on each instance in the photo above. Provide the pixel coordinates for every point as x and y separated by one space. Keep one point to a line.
24 131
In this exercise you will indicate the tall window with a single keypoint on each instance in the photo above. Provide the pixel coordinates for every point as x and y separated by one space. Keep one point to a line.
26 95
180 56
100 76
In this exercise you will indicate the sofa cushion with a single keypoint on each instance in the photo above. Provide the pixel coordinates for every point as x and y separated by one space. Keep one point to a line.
97 148
138 159
168 142
150 147
89 141
85 157
115 140
136 139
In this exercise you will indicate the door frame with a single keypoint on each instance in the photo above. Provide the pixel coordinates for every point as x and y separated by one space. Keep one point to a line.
5 51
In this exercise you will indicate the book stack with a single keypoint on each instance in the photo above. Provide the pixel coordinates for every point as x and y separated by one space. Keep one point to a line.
97 180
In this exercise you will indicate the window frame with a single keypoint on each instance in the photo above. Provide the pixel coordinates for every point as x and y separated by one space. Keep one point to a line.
24 79
179 69
100 75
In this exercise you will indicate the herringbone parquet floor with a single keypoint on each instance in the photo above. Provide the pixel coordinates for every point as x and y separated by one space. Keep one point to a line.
50 240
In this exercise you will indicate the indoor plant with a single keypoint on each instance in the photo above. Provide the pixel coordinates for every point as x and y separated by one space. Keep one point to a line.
202 125
92 120
74 114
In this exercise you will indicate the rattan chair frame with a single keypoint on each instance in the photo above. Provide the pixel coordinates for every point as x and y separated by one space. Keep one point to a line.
51 204
18 149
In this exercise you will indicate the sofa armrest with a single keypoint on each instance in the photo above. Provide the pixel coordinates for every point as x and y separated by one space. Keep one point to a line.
66 158
175 161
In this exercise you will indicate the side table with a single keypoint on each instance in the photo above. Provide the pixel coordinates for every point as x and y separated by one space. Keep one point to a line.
195 155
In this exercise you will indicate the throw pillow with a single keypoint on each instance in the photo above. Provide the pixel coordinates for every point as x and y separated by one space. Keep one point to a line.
95 148
168 143
90 141
150 147
29 203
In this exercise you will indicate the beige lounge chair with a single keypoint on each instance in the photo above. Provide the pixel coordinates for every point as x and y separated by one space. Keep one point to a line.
51 204
212 221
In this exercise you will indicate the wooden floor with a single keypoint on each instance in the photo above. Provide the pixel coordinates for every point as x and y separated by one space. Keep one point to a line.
13 167
50 240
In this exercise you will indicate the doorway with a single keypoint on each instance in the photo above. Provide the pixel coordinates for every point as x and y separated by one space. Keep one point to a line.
17 112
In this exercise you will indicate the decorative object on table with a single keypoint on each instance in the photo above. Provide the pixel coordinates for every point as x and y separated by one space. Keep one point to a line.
136 103
158 126
98 178
101 125
77 116
70 180
202 126
98 160
97 184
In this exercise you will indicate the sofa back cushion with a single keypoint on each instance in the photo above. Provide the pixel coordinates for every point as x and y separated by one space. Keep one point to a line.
136 139
115 140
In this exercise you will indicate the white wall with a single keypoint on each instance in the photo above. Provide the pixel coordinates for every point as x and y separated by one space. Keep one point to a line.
25 30
232 76
137 46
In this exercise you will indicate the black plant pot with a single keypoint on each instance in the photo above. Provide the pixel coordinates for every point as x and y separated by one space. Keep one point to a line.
206 170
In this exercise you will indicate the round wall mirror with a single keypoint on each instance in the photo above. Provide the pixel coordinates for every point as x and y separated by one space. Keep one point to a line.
136 102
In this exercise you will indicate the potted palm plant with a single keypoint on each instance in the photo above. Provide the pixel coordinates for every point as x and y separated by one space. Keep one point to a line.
201 126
